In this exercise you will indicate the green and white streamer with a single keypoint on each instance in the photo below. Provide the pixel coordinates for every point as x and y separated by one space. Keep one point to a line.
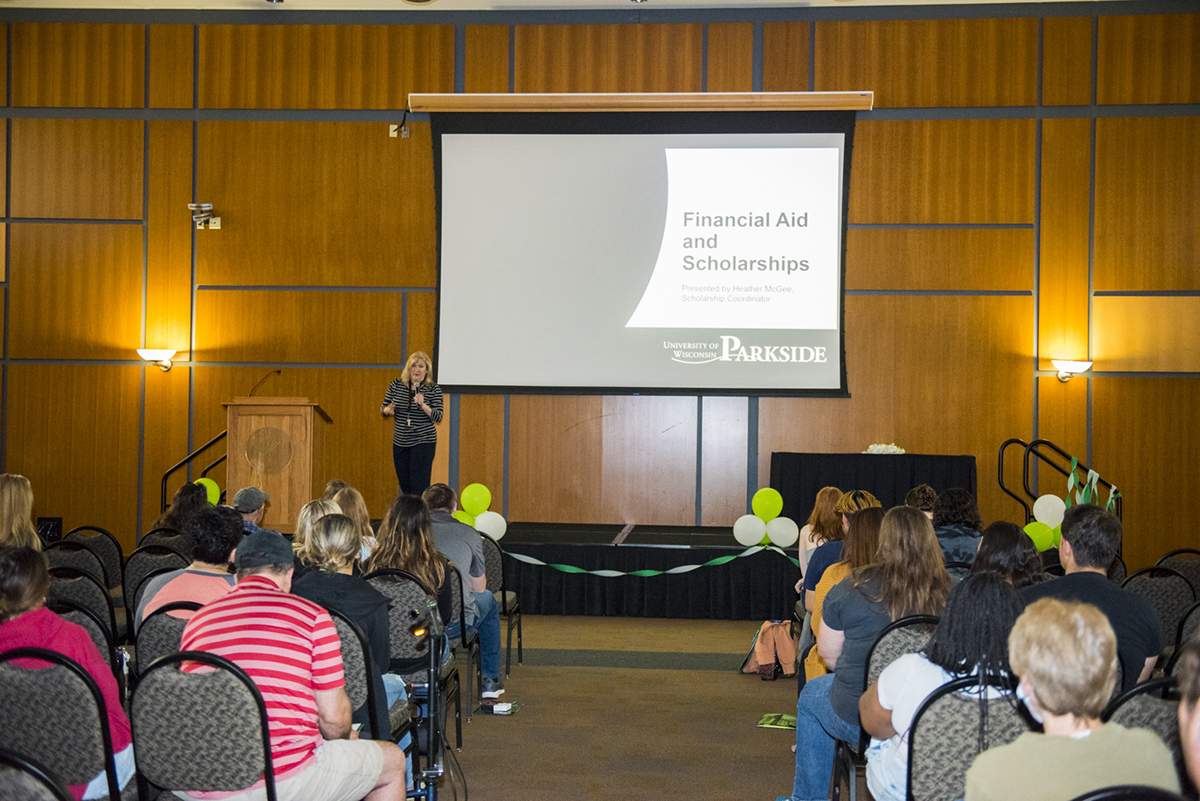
720 560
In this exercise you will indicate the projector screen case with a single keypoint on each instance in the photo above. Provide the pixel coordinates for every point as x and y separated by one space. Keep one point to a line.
670 253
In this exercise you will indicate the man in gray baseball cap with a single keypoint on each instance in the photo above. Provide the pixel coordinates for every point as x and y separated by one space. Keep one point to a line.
251 503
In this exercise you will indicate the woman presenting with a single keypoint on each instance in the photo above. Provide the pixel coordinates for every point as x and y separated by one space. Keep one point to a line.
416 404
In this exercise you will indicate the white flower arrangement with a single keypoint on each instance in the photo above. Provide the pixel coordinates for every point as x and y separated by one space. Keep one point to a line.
879 447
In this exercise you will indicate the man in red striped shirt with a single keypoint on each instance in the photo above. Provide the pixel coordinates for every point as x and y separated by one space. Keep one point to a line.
290 648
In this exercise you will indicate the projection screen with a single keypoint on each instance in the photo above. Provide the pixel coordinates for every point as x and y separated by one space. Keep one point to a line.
670 253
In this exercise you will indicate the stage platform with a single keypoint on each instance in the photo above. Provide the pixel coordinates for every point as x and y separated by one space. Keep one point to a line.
756 587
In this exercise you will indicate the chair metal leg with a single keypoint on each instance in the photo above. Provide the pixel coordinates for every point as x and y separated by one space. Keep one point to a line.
520 656
508 654
470 697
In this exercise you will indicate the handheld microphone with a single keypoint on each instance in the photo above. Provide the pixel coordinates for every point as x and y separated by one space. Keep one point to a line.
261 380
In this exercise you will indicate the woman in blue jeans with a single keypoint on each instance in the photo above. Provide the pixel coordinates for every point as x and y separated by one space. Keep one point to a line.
907 577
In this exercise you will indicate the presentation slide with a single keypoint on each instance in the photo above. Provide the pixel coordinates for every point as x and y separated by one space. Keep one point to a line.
641 262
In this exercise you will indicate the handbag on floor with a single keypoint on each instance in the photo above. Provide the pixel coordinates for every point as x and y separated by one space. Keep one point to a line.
772 652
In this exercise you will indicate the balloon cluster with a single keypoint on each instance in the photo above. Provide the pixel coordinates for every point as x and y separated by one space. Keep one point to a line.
1046 528
473 510
211 488
765 526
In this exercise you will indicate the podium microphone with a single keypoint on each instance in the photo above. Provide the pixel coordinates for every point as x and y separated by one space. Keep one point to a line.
261 380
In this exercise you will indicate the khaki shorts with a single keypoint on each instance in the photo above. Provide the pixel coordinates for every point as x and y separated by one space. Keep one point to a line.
345 770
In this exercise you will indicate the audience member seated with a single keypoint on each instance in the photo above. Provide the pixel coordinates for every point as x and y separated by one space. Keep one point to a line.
351 502
463 546
922 497
290 648
310 513
1066 656
971 639
830 552
957 524
333 487
1090 539
908 577
824 525
25 622
406 543
16 513
1007 550
215 532
189 499
1187 672
251 504
859 548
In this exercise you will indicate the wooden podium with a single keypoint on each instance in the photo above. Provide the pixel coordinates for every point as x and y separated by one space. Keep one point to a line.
273 445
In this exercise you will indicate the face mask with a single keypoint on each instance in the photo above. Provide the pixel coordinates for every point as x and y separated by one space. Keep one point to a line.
1023 697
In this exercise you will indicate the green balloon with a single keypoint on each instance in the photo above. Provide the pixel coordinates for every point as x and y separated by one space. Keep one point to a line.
476 498
767 504
1057 532
463 517
210 486
1041 534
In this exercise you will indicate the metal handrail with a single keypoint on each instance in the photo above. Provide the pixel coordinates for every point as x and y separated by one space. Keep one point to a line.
206 470
1032 450
1000 473
184 463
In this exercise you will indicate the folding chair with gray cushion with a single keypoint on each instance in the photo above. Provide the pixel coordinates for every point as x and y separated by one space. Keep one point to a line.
1129 792
78 556
203 731
168 538
1185 561
1167 590
23 779
74 613
160 634
70 584
144 561
469 641
510 607
408 602
949 730
1117 571
364 685
107 550
57 716
1189 628
1152 705
908 635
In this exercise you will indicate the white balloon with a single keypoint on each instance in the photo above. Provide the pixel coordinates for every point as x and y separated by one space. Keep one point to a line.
749 530
1049 509
783 532
491 523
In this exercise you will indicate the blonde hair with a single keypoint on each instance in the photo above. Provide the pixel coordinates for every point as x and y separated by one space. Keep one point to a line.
412 358
824 522
308 517
16 512
909 574
1068 652
352 505
334 542
855 501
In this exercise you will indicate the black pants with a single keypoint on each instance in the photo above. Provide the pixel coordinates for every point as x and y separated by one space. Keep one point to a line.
413 466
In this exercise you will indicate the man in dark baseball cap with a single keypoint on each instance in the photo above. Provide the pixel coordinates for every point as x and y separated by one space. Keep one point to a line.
251 503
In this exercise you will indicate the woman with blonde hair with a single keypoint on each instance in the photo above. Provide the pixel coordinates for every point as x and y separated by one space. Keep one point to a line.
310 513
352 505
16 513
907 577
830 551
415 404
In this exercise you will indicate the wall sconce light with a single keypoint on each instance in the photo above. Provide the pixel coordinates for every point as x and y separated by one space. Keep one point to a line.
159 356
1067 368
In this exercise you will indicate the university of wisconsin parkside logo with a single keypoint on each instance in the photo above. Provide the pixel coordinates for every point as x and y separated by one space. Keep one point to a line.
731 349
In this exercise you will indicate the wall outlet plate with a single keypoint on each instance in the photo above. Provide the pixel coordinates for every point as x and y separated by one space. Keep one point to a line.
214 223
393 130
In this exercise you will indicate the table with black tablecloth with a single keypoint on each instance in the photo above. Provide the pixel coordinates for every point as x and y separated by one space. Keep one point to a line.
887 476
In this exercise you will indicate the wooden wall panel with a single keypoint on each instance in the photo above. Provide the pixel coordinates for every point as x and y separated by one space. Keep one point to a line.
785 56
1144 441
165 440
77 168
422 314
78 65
1066 209
918 368
487 58
730 59
943 171
172 63
1146 334
939 258
1149 59
358 443
481 444
608 58
169 238
724 438
648 466
281 326
76 291
3 249
945 62
1147 207
316 203
1067 61
4 57
323 66
4 163
555 465
73 431
1062 419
